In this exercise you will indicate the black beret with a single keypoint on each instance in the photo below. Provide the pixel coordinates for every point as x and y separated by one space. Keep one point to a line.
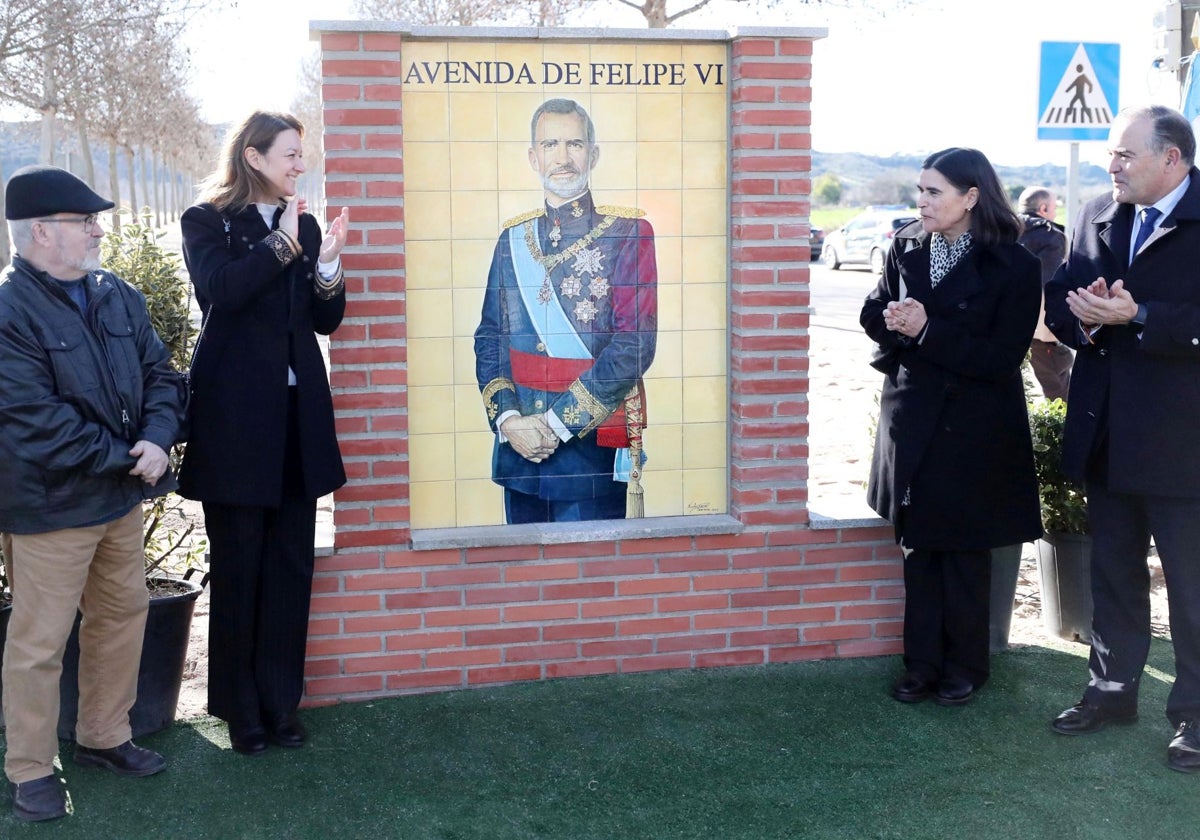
35 191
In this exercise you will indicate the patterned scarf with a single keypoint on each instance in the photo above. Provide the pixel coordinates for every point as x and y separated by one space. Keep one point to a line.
943 255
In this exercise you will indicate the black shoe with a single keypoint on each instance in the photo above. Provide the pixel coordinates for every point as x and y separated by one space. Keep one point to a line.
39 799
126 759
288 732
954 691
248 741
1183 753
1083 718
912 687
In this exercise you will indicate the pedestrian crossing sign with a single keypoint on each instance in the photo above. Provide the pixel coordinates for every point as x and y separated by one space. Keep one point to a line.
1078 90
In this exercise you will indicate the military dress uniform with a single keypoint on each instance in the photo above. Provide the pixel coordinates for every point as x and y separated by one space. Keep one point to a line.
569 324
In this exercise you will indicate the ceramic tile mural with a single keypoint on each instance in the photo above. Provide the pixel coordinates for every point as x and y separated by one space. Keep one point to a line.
586 314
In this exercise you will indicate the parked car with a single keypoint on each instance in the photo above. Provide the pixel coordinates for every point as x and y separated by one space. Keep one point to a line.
865 239
816 242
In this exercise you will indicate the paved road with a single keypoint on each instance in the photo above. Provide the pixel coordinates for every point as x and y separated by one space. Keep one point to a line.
843 393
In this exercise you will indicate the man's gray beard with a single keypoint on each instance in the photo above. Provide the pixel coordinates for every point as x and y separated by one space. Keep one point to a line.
566 190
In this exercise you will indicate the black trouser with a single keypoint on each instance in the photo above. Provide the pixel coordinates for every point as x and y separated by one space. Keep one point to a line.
260 584
1121 526
946 613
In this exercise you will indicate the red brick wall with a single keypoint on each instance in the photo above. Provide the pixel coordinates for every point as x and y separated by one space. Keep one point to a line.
388 619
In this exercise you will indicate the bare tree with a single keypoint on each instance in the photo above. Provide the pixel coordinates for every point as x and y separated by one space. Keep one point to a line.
176 135
435 12
470 12
35 35
126 77
30 27
657 13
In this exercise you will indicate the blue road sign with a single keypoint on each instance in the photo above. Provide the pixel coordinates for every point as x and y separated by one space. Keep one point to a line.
1078 90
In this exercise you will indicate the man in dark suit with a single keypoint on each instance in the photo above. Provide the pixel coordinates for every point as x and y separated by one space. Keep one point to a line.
1128 299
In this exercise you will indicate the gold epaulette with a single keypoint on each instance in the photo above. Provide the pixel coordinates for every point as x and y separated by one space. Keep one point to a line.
623 212
524 217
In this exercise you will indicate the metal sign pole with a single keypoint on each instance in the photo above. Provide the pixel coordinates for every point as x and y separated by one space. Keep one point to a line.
1072 188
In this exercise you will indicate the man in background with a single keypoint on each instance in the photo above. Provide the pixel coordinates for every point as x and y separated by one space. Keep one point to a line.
1050 359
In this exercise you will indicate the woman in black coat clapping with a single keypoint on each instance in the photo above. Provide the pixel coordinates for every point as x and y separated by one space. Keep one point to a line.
262 447
952 318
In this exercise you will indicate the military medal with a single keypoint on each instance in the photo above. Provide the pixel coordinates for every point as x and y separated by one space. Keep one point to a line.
555 233
576 210
585 310
588 260
570 287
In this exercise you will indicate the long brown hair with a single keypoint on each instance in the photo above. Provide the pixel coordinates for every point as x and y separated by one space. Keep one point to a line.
234 184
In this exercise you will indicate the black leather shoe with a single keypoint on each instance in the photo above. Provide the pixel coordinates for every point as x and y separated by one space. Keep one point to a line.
1083 718
288 732
248 741
1183 753
954 691
912 687
38 799
126 759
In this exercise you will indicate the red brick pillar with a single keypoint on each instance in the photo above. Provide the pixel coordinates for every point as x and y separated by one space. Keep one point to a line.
762 586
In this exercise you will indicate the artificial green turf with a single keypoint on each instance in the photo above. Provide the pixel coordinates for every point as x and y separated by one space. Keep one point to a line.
809 750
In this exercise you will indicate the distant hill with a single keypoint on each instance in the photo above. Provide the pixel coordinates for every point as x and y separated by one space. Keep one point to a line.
19 145
857 171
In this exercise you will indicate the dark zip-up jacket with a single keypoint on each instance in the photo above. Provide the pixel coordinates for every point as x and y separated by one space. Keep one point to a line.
77 391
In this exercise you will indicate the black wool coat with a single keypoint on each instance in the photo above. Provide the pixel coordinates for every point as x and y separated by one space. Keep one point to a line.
953 428
260 317
1136 389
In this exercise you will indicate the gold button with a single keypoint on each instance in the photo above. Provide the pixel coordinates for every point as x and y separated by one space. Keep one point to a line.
538 403
541 347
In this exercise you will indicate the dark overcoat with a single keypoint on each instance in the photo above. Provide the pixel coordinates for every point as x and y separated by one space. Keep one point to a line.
953 428
1142 394
260 317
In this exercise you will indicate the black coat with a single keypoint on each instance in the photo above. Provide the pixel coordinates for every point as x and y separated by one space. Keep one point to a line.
260 318
1046 241
953 428
1141 395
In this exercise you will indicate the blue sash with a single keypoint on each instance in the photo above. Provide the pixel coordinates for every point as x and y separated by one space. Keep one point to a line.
554 329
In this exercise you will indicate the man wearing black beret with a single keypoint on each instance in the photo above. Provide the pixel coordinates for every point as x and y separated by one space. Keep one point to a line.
88 411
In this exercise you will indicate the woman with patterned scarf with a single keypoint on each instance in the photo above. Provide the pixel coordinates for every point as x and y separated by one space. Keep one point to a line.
952 318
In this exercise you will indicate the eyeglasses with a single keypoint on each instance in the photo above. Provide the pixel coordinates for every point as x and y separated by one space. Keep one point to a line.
89 222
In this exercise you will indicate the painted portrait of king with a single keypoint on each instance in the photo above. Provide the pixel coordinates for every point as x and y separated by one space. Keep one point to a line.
566 333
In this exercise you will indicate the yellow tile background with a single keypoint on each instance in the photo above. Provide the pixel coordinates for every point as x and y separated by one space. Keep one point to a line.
662 149
431 457
704 306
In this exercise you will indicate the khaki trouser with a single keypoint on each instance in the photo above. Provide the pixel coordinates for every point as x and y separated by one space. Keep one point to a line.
100 570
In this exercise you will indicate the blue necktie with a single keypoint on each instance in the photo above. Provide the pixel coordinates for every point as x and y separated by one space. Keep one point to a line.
1149 217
